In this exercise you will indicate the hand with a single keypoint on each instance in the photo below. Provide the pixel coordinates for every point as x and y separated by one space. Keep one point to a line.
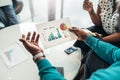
88 6
31 45
79 33
97 35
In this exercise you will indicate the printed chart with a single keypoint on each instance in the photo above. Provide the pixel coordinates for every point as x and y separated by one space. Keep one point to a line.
55 32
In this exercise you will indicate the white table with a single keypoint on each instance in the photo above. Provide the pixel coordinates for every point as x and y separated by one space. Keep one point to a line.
27 70
59 58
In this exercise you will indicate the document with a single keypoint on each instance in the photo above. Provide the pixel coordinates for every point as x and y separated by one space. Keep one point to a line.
13 55
55 32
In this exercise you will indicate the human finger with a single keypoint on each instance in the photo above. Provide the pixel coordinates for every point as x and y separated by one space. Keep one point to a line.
90 4
28 36
33 37
37 38
72 29
86 5
23 38
86 2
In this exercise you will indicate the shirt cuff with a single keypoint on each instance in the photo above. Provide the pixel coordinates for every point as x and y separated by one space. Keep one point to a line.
91 41
43 63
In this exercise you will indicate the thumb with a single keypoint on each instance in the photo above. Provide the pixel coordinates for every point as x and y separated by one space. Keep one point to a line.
73 29
22 40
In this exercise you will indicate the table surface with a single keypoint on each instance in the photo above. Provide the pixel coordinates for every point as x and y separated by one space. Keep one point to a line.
27 70
5 2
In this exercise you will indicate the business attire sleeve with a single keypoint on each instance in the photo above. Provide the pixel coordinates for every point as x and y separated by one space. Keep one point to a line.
47 71
106 51
110 54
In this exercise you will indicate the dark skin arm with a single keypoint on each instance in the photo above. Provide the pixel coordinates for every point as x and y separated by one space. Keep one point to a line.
88 6
116 36
95 17
112 38
32 44
83 35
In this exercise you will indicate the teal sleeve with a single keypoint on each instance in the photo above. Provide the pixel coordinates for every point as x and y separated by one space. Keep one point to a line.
106 51
111 73
47 71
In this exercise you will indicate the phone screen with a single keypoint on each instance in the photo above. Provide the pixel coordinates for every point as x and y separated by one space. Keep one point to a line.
70 50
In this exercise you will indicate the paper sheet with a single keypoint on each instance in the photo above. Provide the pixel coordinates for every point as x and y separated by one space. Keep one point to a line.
13 55
55 32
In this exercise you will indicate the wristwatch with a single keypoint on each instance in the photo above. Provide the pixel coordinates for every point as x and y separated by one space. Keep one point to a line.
41 54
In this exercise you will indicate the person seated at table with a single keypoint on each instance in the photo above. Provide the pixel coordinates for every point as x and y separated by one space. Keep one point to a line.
106 20
46 70
7 15
106 51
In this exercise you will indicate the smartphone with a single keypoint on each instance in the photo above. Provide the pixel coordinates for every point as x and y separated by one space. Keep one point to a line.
70 50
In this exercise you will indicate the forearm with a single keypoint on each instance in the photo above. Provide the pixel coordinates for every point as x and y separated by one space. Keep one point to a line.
95 18
106 51
111 73
112 38
47 71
